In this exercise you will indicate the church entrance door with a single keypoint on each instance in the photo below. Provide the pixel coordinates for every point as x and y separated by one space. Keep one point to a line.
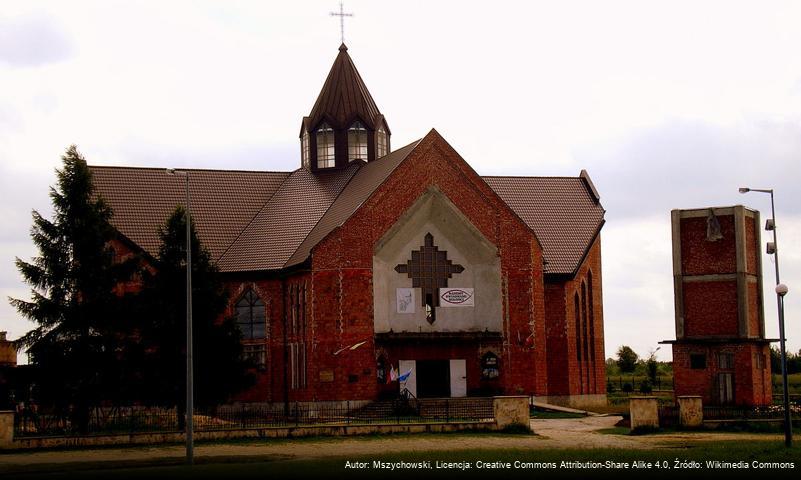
433 378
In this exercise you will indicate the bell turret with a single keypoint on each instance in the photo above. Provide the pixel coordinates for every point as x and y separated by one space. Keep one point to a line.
345 124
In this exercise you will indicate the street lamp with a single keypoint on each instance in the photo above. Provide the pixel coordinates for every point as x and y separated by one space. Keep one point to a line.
781 291
190 407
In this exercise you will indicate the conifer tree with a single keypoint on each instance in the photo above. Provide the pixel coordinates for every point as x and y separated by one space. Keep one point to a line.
220 370
74 346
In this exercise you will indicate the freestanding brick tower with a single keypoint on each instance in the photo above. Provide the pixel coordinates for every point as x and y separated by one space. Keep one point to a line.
720 351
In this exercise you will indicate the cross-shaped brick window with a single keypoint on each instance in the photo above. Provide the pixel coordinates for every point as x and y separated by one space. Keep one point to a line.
429 269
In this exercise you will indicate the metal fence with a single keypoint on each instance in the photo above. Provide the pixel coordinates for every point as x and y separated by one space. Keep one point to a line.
669 414
745 413
123 420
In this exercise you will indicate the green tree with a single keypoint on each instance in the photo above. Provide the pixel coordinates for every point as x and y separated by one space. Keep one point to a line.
75 344
626 359
651 367
219 367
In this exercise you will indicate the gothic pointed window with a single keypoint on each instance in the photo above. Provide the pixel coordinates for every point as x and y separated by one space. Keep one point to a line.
380 142
250 316
305 154
325 146
357 142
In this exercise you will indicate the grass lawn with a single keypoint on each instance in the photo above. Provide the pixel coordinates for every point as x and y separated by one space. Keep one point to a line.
498 463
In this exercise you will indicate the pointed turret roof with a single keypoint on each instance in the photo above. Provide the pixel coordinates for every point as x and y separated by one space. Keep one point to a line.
343 97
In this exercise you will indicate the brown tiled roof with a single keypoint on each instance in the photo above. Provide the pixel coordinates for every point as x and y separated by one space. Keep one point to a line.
223 201
361 186
286 220
343 95
564 212
253 221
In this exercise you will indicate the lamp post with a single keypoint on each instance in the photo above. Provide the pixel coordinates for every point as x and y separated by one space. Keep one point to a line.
190 407
781 291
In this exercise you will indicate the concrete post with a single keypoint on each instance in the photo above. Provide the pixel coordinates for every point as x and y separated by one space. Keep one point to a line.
644 412
511 410
691 411
6 428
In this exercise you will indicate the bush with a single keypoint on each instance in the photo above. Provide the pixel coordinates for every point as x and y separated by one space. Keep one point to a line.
627 387
610 387
645 387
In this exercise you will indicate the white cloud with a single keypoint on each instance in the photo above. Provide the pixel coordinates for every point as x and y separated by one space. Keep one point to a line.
32 40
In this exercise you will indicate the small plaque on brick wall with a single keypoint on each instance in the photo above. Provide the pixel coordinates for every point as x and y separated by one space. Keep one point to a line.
405 300
456 297
326 376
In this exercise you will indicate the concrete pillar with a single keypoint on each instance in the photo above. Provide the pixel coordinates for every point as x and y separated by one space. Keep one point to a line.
691 411
511 410
644 412
6 428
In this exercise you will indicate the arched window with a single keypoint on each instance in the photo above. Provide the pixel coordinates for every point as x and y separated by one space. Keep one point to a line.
380 142
305 156
577 310
490 368
584 320
250 316
325 146
357 142
591 316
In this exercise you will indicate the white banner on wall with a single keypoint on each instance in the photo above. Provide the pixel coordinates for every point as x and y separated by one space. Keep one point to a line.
404 298
456 297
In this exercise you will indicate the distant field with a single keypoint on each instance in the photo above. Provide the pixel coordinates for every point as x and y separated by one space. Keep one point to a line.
794 380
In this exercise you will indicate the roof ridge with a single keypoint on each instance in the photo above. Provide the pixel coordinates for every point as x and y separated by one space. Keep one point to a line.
253 218
236 170
411 146
561 177
355 172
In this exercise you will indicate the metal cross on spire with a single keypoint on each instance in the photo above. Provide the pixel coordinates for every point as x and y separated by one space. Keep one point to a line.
341 16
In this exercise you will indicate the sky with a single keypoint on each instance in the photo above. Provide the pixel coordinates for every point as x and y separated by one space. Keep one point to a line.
666 104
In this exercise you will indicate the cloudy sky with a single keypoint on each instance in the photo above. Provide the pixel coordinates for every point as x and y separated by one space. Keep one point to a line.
666 104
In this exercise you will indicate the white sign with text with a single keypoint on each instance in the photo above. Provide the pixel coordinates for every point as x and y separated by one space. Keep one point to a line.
456 297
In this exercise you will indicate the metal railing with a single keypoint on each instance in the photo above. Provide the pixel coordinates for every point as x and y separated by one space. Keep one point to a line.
124 420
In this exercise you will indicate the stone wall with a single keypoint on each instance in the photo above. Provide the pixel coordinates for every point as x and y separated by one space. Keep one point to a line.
511 411
691 411
644 412
6 427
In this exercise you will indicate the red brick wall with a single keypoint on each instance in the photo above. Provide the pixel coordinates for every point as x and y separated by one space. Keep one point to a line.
123 252
752 384
752 246
568 375
701 257
349 250
710 308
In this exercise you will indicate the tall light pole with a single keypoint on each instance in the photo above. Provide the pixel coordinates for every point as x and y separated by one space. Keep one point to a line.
190 407
781 291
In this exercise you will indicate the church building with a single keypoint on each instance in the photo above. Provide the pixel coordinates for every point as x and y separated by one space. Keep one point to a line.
369 260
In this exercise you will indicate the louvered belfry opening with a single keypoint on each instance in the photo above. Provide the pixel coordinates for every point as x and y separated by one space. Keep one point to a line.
344 124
